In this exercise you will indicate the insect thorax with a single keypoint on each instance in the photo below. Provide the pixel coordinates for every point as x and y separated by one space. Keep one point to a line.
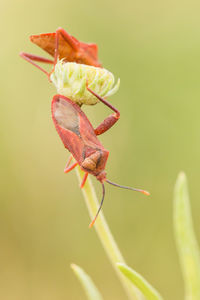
70 80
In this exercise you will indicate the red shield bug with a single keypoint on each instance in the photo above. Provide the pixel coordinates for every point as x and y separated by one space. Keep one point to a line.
80 138
61 44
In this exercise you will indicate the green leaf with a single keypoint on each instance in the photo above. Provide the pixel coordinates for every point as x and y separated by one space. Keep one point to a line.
147 290
186 241
87 283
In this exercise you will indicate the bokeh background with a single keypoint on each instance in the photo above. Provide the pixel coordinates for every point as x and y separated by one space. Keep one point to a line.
154 47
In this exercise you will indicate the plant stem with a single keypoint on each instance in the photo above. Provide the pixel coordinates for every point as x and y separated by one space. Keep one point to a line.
106 237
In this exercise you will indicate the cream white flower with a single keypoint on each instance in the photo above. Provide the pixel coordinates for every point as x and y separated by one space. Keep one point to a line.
70 80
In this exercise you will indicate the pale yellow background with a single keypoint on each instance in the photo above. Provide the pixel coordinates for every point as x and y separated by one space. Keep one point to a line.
154 47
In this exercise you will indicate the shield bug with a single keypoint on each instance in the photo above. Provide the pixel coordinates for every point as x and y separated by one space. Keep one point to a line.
80 138
62 45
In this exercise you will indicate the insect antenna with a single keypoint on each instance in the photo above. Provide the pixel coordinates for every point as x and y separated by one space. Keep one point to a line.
93 221
128 188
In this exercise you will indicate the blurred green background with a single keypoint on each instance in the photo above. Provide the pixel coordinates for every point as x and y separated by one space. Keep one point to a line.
154 47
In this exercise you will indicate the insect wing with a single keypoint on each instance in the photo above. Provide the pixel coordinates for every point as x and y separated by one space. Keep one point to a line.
66 121
73 127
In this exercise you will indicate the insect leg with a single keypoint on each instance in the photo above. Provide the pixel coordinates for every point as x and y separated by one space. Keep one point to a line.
110 120
68 169
84 180
106 124
68 162
31 58
68 38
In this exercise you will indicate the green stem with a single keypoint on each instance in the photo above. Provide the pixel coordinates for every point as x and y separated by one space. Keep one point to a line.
106 237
